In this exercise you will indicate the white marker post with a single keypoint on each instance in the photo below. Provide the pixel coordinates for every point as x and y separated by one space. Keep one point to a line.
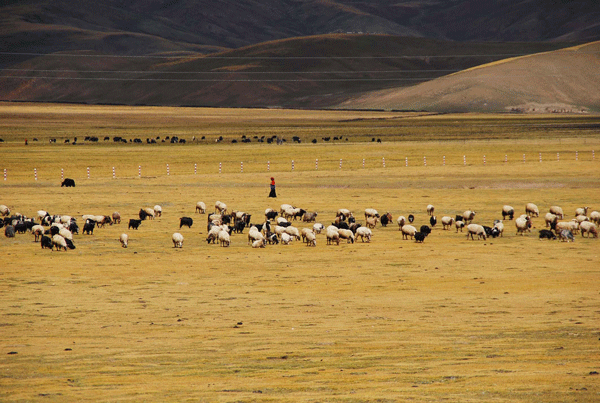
35 173
88 172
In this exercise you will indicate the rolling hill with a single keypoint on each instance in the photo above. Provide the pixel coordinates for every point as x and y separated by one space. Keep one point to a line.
308 72
563 81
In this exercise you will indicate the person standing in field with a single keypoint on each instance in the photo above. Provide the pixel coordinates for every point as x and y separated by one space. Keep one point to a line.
272 194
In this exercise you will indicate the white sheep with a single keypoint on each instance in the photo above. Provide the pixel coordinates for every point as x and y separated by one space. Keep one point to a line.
38 231
259 243
318 227
177 240
58 241
281 220
589 228
371 212
284 207
311 239
364 232
157 210
581 218
430 209
523 224
343 212
255 235
220 207
346 234
532 210
293 232
124 239
42 214
447 222
286 238
499 225
371 222
213 232
66 234
550 219
401 222
459 225
468 216
558 211
508 211
408 231
595 217
332 234
201 207
116 217
304 232
224 238
149 212
476 229
581 211
4 210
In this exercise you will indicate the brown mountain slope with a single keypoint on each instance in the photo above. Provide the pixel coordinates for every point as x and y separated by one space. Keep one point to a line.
311 72
566 80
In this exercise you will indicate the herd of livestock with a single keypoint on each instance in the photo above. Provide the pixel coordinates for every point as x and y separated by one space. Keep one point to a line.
277 227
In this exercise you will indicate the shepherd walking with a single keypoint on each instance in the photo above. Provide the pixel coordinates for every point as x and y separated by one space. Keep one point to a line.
272 194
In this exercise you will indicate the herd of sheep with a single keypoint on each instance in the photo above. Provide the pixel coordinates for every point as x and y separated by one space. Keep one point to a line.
277 227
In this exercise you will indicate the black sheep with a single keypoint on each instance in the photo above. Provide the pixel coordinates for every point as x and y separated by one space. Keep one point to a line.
425 230
547 234
187 221
432 220
133 223
68 182
88 227
46 242
419 236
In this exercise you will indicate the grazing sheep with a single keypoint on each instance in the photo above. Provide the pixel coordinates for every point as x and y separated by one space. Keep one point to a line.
311 239
259 243
508 211
588 227
371 212
270 214
558 211
224 239
581 211
459 225
254 235
566 236
318 227
550 219
332 235
133 223
344 213
293 232
58 241
304 232
158 210
433 220
346 234
213 233
177 240
46 242
116 217
447 222
401 222
364 232
523 224
220 207
88 227
468 216
532 210
476 229
408 231
37 231
419 236
385 219
595 217
149 212
430 209
309 217
4 210
187 221
201 207
499 226
285 239
547 234
65 233
9 231
371 222
124 239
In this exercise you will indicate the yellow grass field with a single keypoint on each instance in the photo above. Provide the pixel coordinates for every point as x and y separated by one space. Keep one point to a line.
510 319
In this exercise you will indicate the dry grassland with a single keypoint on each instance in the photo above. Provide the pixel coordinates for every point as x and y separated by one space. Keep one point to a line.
502 320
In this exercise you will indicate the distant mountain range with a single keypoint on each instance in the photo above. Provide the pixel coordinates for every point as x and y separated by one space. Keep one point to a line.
287 53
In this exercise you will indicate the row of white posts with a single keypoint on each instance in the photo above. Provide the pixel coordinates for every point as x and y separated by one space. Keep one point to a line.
62 175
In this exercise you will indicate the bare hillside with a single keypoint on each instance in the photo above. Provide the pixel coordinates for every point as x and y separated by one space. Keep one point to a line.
559 81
